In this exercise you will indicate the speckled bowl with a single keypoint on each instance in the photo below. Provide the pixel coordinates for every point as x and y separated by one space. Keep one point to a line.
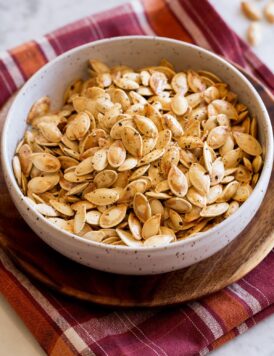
135 51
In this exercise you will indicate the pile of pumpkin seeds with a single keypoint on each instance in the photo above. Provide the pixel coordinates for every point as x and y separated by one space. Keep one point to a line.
139 158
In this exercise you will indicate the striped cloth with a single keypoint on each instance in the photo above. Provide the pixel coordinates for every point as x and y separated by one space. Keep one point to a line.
61 325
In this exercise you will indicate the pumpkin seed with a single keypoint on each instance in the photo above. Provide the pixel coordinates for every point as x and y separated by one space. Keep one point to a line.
132 141
134 187
45 162
99 159
199 179
92 217
151 226
145 126
141 207
248 143
179 104
233 206
214 210
79 219
179 204
62 208
102 196
151 156
177 181
42 184
173 125
17 169
158 241
113 216
46 210
134 226
179 83
116 154
25 154
128 239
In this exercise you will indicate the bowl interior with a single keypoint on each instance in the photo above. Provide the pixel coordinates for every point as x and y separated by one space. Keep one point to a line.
136 51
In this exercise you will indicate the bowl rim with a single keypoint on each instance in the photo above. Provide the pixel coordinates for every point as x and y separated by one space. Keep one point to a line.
265 173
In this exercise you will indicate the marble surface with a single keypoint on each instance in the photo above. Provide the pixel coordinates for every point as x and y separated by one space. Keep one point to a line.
21 20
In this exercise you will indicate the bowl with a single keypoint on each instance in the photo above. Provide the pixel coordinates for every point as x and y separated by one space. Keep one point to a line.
135 51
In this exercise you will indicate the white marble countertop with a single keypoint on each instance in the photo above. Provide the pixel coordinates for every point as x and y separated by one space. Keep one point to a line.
21 20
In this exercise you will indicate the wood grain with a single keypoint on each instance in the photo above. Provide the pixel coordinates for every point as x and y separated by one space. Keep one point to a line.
44 264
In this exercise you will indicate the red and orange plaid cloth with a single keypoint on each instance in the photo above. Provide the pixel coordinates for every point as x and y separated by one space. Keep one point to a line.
66 327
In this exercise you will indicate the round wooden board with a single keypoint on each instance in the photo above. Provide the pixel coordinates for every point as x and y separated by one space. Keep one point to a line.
56 271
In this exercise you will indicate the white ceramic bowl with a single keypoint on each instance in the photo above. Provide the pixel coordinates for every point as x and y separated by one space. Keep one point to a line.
135 51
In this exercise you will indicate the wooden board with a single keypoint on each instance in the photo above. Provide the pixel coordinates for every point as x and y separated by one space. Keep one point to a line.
44 264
